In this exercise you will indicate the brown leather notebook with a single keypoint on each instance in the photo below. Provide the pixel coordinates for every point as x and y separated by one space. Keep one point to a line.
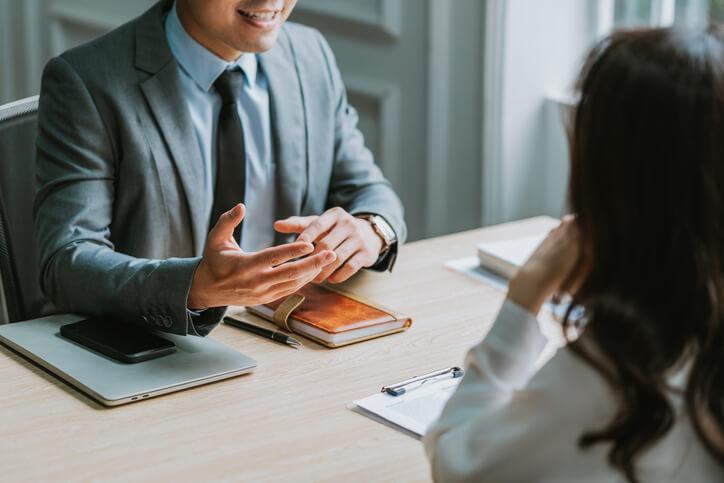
331 317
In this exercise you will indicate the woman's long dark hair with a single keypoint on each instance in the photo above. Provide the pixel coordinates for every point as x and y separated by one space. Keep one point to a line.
647 189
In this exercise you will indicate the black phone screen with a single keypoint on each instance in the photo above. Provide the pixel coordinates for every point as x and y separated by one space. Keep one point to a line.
120 341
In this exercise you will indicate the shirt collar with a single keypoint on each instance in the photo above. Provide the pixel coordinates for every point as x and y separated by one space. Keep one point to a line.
202 65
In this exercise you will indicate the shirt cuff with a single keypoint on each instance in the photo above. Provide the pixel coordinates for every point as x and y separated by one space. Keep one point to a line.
202 322
386 261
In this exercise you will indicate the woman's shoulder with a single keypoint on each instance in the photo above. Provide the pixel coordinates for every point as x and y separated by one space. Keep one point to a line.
577 396
572 391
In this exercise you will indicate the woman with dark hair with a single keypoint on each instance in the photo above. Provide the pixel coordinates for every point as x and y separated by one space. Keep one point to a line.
638 392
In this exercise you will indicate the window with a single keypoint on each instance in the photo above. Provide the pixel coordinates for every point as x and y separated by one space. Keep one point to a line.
699 12
535 51
691 13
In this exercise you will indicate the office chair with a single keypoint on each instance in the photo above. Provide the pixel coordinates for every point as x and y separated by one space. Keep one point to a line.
20 295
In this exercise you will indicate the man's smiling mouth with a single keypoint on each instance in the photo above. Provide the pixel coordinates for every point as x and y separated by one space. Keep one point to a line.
266 16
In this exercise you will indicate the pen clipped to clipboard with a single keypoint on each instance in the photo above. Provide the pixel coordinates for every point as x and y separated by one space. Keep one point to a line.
402 387
414 404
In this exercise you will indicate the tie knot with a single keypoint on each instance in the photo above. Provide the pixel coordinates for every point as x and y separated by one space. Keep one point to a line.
229 85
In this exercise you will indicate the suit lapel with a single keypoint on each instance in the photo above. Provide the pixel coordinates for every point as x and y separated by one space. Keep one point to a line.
289 133
164 95
170 111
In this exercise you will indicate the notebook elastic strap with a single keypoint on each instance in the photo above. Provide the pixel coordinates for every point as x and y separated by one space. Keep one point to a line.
282 313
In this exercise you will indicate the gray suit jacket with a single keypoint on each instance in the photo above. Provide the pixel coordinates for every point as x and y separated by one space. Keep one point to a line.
119 216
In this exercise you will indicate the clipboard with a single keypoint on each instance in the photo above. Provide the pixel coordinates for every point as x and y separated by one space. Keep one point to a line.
412 405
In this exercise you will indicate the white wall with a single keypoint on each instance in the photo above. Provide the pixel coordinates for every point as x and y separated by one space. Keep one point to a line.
540 47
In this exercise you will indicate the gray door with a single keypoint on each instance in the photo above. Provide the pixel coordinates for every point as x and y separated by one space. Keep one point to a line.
413 70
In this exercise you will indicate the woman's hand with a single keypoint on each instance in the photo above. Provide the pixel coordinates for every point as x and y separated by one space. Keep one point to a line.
547 269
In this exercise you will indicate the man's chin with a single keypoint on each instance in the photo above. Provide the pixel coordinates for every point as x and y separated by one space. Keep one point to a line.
259 44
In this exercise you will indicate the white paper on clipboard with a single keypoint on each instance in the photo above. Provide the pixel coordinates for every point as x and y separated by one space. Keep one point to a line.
413 412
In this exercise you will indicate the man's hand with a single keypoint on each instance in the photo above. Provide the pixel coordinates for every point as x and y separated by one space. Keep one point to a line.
229 276
354 241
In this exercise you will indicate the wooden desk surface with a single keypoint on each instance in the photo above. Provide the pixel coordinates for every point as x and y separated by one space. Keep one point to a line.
286 421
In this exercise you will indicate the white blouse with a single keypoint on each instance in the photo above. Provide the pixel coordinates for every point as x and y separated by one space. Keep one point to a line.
510 422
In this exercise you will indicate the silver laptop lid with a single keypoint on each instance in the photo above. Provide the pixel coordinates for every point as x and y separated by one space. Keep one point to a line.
196 361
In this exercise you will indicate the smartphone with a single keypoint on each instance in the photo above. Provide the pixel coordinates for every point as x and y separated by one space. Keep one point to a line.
117 340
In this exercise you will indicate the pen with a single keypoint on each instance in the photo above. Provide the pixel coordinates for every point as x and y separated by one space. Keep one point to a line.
402 387
268 333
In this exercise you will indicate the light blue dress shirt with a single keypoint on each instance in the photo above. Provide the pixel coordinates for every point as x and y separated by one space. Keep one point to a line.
199 68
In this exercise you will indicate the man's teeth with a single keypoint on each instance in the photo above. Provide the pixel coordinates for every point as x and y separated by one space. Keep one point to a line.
261 16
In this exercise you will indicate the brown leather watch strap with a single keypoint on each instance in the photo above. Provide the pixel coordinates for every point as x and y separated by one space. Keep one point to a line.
282 313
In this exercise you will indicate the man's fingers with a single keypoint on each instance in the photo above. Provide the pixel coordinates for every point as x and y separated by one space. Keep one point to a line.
294 224
319 226
343 252
271 257
227 222
284 289
352 266
331 240
301 268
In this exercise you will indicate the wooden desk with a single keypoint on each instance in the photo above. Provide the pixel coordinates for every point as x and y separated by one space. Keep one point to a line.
288 421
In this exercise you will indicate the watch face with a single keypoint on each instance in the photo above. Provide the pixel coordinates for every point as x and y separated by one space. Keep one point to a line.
386 229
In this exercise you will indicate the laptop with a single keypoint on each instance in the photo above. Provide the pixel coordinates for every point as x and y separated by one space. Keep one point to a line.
196 361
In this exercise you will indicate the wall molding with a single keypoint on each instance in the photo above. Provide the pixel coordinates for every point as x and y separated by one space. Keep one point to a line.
380 16
35 46
386 95
438 125
7 55
492 133
97 19
64 16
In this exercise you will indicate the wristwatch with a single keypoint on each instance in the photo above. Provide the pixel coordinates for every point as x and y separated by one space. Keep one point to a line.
383 230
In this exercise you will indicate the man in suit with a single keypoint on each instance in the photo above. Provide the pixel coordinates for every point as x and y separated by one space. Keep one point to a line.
151 136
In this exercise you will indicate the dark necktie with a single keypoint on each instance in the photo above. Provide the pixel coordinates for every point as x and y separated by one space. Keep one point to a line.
230 157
